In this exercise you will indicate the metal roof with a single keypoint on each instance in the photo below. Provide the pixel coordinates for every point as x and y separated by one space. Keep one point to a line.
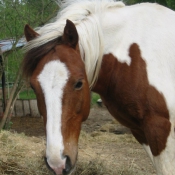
6 45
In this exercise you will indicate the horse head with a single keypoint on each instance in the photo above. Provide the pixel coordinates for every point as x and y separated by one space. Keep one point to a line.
60 83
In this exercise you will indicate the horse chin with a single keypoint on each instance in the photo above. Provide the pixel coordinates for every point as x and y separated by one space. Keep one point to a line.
69 168
45 159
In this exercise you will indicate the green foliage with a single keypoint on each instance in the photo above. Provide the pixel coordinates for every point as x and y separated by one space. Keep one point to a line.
171 4
12 62
167 3
8 125
15 14
94 98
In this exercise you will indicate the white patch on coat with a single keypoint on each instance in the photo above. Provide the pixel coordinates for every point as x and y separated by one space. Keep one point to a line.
152 27
52 80
165 161
148 150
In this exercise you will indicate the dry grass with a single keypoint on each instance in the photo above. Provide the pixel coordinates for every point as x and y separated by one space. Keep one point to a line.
99 154
94 167
21 154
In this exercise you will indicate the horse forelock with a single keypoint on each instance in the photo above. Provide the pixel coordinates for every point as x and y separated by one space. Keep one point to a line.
33 56
86 16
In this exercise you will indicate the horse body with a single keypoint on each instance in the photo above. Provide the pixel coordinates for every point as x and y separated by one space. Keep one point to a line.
136 104
124 53
141 97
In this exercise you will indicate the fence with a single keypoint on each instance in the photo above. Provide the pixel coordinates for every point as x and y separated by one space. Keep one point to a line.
24 108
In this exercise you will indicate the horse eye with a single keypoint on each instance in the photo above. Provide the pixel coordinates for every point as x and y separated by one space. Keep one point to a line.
78 85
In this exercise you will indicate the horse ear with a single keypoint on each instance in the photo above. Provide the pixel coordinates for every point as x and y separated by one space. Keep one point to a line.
29 33
70 35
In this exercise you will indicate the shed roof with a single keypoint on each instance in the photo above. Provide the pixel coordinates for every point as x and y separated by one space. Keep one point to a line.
7 44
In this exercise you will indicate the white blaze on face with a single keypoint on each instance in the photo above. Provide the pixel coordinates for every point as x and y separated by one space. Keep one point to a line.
52 80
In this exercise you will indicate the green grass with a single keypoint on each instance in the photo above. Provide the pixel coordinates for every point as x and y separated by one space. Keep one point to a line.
27 94
94 98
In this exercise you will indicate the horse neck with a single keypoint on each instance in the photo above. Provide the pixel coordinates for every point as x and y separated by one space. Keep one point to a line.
114 25
106 74
109 36
91 48
97 42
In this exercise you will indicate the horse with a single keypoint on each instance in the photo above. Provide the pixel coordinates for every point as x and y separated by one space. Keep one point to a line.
126 54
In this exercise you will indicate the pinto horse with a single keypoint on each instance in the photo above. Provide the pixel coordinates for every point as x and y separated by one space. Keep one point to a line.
124 53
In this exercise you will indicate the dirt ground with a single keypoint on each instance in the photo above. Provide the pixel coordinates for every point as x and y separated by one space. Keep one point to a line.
99 116
106 140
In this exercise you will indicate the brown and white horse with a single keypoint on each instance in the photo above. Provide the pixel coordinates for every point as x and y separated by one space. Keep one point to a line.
124 53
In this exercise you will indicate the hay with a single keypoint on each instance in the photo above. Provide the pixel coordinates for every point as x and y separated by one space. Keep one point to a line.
99 154
21 155
94 167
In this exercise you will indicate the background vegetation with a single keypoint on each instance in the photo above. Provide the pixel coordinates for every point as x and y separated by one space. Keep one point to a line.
167 3
14 15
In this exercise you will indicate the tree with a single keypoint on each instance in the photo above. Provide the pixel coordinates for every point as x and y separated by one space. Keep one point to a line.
14 15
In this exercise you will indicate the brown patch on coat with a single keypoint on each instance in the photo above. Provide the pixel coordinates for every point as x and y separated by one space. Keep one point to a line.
133 101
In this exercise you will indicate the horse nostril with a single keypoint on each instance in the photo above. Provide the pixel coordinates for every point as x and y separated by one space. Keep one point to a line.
68 168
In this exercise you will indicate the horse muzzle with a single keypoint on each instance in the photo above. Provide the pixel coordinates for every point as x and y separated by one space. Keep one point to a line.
64 168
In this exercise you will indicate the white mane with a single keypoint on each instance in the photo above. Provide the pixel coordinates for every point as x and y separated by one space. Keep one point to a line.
86 15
